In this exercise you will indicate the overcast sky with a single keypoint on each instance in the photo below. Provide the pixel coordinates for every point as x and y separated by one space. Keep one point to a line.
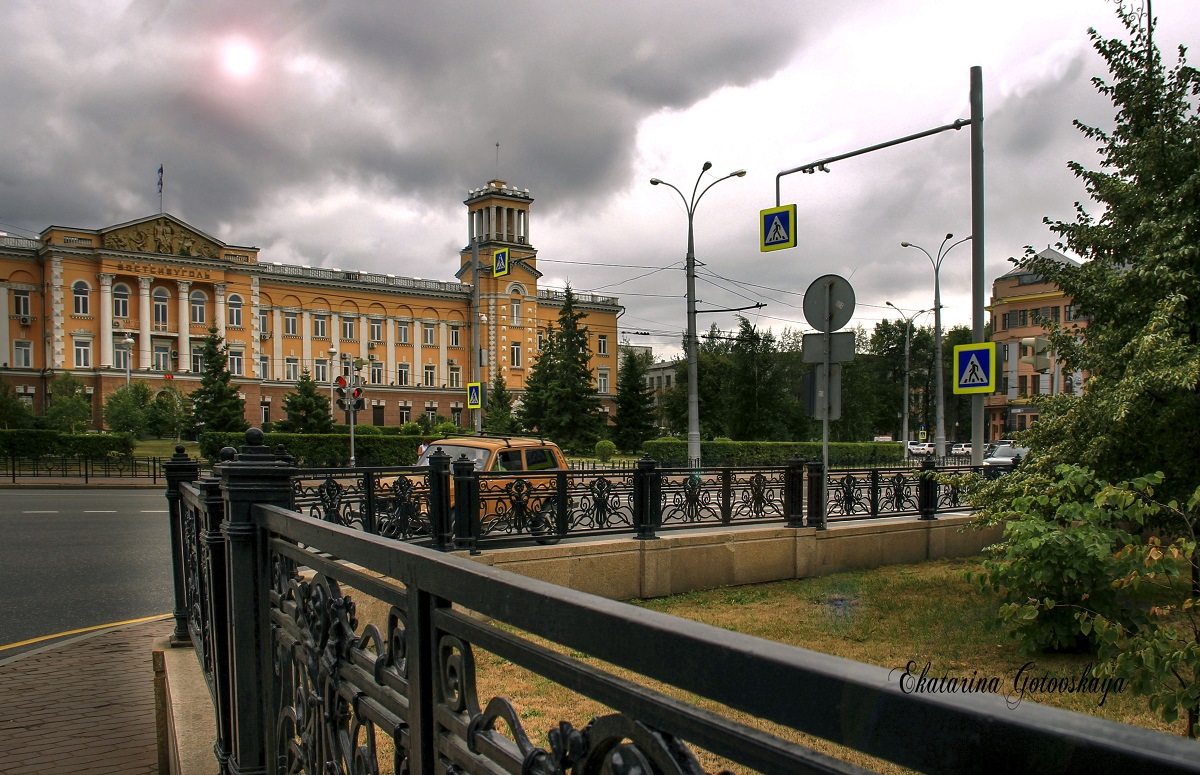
348 134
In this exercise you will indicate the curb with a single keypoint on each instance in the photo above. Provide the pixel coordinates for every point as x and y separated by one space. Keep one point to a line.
77 639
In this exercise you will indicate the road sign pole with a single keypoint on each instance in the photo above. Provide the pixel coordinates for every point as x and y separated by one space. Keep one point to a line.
978 417
353 419
828 404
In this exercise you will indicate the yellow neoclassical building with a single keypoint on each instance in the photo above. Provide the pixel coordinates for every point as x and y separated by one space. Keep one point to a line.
135 301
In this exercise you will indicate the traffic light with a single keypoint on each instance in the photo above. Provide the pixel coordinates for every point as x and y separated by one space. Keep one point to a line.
340 383
357 403
1039 352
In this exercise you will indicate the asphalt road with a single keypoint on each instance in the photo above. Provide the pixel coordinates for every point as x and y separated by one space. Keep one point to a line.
76 558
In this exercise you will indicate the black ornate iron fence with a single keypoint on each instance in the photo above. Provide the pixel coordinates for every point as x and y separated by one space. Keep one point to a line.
481 509
82 467
299 685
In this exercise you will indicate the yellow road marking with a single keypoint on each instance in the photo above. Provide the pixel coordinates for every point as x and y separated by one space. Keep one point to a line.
82 629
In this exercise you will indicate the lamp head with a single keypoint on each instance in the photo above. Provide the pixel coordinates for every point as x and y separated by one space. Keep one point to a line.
738 174
949 237
893 306
707 166
906 244
655 181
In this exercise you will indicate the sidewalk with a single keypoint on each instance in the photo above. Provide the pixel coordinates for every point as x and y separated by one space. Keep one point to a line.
85 705
77 482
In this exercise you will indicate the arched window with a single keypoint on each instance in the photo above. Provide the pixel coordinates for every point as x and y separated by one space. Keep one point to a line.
81 290
120 301
161 303
234 306
199 304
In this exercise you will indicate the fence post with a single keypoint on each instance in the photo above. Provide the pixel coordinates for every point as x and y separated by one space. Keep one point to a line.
874 492
439 501
368 516
466 503
212 590
927 496
793 492
179 469
646 488
254 478
726 495
817 497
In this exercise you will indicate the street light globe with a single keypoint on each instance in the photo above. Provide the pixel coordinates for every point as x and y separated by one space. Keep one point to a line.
906 244
738 174
655 181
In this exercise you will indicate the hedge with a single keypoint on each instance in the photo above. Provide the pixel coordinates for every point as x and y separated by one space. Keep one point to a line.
35 443
673 452
321 449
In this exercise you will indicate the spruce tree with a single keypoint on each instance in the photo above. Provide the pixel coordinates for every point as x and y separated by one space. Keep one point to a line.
634 420
216 405
306 408
537 403
499 416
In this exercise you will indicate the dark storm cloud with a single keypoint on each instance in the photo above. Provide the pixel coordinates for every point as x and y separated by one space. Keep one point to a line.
406 99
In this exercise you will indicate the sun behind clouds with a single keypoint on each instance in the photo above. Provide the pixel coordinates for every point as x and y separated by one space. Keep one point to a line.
239 58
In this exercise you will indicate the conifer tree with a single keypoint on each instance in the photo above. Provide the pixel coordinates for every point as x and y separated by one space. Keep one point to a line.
306 408
499 416
634 420
575 421
216 405
537 402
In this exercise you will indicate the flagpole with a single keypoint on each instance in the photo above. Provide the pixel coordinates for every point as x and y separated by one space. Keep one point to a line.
160 184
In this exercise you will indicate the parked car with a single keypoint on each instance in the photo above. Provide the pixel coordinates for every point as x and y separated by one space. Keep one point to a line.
1006 455
921 448
991 448
961 449
499 453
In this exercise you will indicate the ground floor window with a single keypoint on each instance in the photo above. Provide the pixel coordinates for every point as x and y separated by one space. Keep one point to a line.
377 415
23 356
405 415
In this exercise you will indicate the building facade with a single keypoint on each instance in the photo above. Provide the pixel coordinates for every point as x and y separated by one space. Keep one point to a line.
1021 301
135 301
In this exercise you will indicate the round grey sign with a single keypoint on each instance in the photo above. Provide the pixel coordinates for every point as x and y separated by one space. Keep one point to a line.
829 303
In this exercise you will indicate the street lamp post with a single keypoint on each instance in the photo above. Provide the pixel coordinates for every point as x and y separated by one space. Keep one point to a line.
907 344
693 437
940 412
332 380
128 342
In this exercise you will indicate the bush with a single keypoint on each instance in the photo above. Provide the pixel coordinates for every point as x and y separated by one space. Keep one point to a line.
35 443
673 452
321 449
605 450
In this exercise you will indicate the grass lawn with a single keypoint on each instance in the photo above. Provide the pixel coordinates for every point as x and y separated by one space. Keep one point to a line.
926 613
163 448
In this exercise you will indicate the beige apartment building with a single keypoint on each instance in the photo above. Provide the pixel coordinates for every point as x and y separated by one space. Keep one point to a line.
135 301
1020 299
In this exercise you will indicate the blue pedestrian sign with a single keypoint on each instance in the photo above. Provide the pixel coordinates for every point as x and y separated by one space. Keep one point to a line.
975 368
474 395
500 263
777 228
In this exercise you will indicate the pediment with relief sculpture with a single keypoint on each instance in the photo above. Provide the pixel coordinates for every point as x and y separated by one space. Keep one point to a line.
161 235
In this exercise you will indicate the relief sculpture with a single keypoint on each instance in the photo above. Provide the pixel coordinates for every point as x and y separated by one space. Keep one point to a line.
160 236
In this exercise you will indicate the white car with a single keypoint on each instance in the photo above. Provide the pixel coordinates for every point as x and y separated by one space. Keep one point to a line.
962 449
921 448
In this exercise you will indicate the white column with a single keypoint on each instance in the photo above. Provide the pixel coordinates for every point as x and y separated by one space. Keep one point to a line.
418 364
56 327
185 327
335 334
443 372
389 357
145 315
219 292
277 344
526 230
106 329
504 223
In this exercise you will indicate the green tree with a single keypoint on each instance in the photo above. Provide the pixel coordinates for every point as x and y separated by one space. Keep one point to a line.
216 405
167 414
713 374
634 420
754 386
70 408
537 403
14 413
498 419
306 408
126 409
1140 293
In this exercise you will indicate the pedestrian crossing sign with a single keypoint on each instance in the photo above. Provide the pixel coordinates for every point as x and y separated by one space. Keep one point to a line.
777 228
474 395
500 263
975 368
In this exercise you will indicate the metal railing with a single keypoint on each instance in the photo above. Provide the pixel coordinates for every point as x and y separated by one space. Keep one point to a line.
269 599
82 467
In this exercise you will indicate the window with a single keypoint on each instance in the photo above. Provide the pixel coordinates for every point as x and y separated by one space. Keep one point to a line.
234 313
455 377
197 362
122 357
1069 312
376 373
602 381
456 416
377 415
1006 321
514 313
289 324
401 332
321 370
1035 384
376 330
541 340
1023 317
235 362
514 355
602 344
83 354
21 303
431 413
320 326
1003 384
162 357
23 355
430 376
265 409
120 301
429 333
264 320
291 369
81 291
668 380
405 414
455 336
161 302
347 328
1023 385
264 367
402 374
539 459
198 302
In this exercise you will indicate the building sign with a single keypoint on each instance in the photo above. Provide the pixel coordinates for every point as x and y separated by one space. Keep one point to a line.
161 270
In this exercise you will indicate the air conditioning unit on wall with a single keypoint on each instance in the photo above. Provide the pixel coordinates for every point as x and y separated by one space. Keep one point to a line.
25 320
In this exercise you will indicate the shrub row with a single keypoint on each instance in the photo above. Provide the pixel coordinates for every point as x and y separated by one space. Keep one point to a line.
320 449
34 443
673 452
